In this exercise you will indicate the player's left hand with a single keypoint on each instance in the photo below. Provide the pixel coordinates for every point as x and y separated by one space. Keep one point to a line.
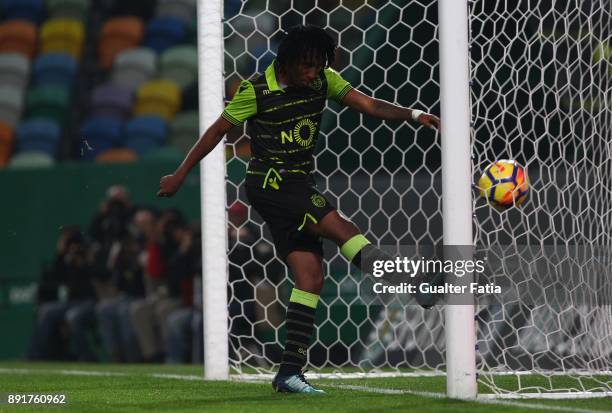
431 121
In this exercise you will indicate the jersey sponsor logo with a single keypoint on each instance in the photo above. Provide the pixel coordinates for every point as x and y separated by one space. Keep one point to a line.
316 84
318 200
303 133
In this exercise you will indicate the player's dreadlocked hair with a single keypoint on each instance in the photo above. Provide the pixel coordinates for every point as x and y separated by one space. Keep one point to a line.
305 44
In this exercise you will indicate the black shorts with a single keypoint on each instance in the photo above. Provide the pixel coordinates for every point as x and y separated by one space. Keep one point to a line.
287 207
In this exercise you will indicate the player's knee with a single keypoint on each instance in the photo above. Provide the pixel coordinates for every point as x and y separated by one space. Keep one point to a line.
310 281
338 228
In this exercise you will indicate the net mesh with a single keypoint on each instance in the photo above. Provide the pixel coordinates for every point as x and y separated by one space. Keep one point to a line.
540 94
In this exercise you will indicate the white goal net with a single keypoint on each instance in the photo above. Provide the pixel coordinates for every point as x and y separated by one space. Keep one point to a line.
541 90
541 94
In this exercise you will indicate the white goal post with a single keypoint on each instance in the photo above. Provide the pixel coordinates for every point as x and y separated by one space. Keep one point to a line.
456 187
212 190
529 80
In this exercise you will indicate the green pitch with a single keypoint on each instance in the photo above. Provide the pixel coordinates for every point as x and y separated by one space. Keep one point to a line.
150 388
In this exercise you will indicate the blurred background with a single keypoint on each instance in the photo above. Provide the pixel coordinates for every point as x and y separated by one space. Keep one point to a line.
98 100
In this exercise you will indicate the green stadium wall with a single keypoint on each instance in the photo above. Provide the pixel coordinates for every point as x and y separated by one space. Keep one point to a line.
37 203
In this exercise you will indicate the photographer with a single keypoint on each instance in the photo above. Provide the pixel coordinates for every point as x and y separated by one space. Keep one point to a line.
66 303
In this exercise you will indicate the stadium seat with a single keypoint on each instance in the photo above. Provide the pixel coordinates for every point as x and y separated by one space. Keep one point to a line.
49 102
98 134
185 130
133 67
55 69
18 36
72 9
117 155
118 34
182 9
164 32
32 10
62 35
6 143
145 133
11 104
112 100
158 97
180 64
14 70
38 135
31 160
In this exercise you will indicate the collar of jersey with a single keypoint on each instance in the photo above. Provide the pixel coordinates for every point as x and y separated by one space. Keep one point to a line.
273 85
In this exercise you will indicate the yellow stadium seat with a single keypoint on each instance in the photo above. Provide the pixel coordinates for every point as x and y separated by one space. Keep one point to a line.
62 35
160 97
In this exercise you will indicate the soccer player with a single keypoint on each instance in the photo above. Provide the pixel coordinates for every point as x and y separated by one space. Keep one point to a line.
283 109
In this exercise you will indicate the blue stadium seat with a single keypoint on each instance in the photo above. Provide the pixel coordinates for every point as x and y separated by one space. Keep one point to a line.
38 135
164 32
55 69
98 134
32 10
145 133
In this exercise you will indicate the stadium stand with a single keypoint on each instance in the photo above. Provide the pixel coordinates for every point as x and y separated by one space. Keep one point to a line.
72 9
49 102
133 67
141 8
160 97
99 134
18 36
76 62
31 160
180 63
6 143
144 133
14 70
117 35
111 100
55 69
32 10
181 9
62 35
164 32
38 135
117 155
11 104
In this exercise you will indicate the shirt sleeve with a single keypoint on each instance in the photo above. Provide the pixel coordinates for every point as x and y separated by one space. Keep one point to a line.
337 87
242 106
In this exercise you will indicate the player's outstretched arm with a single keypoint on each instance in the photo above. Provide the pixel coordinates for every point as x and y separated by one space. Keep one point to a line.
170 184
386 110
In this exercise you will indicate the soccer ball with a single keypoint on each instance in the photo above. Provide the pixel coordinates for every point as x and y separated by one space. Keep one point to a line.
504 183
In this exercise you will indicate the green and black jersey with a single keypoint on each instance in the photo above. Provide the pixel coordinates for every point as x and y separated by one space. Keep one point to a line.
283 124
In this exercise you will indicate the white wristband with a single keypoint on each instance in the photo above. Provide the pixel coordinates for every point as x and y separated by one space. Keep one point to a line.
416 113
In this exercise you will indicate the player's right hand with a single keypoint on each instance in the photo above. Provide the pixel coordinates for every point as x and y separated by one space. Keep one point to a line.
168 185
